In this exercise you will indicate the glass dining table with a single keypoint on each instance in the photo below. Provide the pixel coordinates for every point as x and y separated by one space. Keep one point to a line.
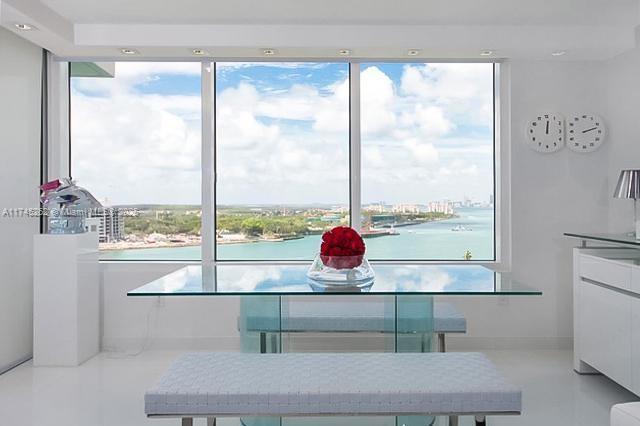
399 303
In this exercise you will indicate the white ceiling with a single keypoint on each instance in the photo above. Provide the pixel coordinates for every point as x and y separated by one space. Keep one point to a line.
163 29
393 12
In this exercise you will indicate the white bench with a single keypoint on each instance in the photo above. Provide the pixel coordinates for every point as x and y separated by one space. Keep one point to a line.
625 414
229 384
352 317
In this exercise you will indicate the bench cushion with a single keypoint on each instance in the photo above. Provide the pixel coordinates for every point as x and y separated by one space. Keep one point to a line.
228 384
345 316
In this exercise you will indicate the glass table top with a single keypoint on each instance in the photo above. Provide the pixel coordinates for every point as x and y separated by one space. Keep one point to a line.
290 279
623 239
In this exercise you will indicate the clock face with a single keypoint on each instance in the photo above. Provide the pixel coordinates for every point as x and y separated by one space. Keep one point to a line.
585 132
545 133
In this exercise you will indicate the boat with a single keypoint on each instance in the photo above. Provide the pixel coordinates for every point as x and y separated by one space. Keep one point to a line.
374 233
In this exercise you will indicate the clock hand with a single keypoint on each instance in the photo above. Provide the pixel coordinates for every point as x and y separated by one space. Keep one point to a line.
588 130
547 126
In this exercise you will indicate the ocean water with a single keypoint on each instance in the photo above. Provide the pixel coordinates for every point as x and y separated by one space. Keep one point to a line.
430 241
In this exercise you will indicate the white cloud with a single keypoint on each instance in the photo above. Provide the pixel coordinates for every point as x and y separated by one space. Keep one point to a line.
288 145
429 120
377 100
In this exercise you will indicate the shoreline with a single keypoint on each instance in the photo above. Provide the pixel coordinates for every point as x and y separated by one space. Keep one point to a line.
121 246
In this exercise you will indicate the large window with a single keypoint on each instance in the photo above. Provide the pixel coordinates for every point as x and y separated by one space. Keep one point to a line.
417 170
136 147
427 160
282 157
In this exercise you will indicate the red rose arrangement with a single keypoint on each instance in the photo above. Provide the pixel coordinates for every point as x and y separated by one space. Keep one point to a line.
342 248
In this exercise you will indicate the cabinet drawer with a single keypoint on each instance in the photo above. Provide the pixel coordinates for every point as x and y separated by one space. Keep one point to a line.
635 345
605 271
605 332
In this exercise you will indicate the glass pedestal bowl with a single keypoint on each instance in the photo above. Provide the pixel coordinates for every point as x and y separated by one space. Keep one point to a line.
340 272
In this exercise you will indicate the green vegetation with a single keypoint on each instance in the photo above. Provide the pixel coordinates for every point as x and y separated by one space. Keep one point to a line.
262 222
165 220
252 225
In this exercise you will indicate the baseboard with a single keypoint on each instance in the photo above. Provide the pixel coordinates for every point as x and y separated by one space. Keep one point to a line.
130 344
471 343
14 364
329 342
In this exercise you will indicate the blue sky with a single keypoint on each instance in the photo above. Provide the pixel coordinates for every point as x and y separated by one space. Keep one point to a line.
283 133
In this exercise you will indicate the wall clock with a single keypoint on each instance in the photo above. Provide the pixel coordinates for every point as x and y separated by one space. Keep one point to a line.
585 132
545 133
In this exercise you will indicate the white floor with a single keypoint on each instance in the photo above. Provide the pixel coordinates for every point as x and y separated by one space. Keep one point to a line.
107 391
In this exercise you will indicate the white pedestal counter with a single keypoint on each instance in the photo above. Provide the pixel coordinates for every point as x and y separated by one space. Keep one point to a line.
606 304
66 299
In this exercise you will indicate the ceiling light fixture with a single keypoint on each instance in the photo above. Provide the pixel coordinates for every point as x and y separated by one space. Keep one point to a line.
199 52
486 53
413 52
24 27
128 51
268 52
558 53
344 52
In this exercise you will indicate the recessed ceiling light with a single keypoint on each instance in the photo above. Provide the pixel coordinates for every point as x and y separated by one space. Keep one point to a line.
199 52
558 53
128 51
25 27
344 52
413 52
486 53
269 52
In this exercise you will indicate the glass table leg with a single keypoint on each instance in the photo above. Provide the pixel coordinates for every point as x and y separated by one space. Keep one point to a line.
260 326
414 333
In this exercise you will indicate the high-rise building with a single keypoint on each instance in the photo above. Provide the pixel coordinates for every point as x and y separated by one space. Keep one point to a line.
108 222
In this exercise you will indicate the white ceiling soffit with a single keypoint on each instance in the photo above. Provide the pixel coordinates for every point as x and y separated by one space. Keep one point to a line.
98 29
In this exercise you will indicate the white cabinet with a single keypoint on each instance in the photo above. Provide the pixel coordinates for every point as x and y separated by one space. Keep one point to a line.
606 288
66 299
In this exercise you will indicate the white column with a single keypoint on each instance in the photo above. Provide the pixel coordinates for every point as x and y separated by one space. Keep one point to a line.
208 162
58 131
354 146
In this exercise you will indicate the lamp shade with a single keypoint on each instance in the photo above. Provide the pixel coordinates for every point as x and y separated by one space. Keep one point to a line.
628 185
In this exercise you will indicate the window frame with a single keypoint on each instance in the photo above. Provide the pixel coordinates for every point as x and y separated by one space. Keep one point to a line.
501 156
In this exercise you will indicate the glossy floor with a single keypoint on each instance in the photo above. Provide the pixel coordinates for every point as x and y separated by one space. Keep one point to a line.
108 389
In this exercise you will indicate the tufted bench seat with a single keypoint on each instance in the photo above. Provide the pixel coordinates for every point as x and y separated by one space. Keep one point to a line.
336 384
353 317
625 414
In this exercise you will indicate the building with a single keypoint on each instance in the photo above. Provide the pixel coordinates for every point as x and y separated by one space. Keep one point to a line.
445 207
406 208
108 222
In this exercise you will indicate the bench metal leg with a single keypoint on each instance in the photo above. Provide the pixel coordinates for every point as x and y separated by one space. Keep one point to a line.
441 343
211 421
453 420
481 421
187 421
263 342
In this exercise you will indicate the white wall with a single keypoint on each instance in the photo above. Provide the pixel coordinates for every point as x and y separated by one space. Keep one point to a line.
20 68
623 119
551 194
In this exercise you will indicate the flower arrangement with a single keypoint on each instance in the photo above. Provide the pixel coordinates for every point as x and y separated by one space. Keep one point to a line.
342 248
341 263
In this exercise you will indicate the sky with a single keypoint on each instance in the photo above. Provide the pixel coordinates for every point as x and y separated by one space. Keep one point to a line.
282 133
